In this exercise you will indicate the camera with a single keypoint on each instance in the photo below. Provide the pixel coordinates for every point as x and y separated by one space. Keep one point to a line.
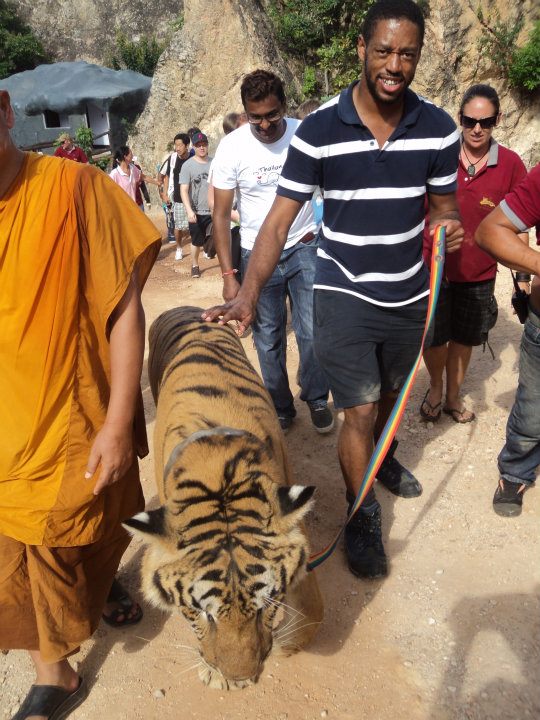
520 303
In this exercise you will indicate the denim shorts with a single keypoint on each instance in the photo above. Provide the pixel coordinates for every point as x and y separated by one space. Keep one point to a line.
365 350
466 312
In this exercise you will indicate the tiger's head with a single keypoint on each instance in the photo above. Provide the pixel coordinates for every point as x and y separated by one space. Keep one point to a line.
224 548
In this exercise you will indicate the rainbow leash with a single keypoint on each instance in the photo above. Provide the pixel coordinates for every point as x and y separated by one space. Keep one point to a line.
392 424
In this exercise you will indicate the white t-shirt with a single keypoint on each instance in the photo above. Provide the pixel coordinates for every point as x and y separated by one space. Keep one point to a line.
253 168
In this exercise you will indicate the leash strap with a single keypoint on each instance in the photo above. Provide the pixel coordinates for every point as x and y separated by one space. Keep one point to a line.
392 424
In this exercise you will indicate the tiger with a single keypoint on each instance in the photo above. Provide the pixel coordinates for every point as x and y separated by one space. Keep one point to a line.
226 546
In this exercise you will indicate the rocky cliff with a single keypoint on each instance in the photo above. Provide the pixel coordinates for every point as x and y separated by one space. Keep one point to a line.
198 77
451 63
85 29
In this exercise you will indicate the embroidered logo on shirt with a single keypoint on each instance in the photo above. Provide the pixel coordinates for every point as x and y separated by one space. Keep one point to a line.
488 202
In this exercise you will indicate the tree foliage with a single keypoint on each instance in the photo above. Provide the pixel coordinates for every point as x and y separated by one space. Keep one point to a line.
323 34
520 66
524 70
139 55
20 49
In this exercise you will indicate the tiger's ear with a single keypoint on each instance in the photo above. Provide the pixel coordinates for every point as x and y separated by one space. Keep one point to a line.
149 525
295 501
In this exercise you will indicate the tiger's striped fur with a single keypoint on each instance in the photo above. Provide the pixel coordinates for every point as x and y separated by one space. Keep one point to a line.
227 546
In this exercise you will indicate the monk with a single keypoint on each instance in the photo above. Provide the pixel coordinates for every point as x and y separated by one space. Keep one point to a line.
75 253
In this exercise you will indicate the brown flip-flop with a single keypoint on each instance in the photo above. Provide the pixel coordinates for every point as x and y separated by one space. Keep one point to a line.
434 408
458 415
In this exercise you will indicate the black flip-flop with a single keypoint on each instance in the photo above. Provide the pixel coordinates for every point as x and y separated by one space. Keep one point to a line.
426 416
54 702
118 594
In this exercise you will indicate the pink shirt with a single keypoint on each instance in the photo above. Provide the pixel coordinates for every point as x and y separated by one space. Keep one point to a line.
128 183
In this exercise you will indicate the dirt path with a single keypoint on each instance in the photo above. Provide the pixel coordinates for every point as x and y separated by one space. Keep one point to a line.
453 632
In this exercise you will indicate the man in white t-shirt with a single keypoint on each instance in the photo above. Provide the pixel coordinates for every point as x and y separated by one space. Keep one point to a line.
248 164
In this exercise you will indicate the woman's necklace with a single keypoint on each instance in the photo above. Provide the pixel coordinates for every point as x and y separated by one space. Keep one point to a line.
471 168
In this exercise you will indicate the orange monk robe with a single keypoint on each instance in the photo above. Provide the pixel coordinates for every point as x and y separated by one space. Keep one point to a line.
69 241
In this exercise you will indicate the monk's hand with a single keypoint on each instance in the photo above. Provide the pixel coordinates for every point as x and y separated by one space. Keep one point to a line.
112 453
241 309
454 233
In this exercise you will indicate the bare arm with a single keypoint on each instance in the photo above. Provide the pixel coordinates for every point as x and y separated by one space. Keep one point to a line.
443 210
164 192
149 179
499 237
112 450
223 202
184 194
264 258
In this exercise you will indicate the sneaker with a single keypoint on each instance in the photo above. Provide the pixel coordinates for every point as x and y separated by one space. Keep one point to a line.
195 272
508 499
322 418
171 240
285 422
364 546
178 255
396 478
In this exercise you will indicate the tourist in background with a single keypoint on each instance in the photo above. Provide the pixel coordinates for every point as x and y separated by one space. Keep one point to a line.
128 175
467 309
67 149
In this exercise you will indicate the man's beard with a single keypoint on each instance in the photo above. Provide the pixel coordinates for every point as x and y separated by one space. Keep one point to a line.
372 88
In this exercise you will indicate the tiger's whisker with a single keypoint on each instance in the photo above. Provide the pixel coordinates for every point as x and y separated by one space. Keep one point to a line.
280 636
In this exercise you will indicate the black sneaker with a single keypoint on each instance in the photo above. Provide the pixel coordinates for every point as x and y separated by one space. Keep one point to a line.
195 272
321 417
508 500
396 478
364 546
285 422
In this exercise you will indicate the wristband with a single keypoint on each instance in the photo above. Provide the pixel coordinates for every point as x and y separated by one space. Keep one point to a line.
523 277
229 272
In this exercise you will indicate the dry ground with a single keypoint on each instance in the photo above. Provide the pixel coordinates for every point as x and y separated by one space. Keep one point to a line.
451 633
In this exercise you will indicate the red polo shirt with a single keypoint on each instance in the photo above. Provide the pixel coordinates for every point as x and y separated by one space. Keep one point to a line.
74 154
522 205
477 196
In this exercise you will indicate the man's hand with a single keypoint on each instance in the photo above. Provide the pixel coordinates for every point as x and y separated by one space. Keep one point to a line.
454 233
112 452
240 309
231 287
191 216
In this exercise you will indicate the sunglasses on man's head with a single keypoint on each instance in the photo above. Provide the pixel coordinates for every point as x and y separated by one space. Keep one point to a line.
485 123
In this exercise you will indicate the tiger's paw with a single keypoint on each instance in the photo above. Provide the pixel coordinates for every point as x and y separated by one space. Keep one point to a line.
215 680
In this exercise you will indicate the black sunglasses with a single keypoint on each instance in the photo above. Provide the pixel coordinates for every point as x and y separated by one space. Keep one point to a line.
485 123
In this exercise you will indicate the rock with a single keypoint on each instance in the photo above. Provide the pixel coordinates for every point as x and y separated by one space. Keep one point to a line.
159 694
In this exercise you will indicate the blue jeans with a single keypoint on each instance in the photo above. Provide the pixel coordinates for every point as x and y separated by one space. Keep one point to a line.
520 456
293 277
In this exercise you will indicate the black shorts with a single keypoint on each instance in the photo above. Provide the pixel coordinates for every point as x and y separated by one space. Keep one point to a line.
465 313
197 230
365 350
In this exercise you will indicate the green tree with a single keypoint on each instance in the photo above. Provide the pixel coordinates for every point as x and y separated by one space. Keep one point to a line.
20 49
524 70
323 34
520 66
139 55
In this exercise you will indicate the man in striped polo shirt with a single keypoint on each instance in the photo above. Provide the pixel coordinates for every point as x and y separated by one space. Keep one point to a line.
376 150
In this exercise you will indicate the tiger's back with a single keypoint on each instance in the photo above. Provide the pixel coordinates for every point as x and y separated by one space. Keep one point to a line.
227 545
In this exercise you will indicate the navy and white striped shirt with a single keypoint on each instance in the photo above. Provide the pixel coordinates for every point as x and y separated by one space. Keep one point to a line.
374 199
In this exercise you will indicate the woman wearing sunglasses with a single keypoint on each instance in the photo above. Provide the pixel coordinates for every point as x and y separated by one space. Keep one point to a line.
467 308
